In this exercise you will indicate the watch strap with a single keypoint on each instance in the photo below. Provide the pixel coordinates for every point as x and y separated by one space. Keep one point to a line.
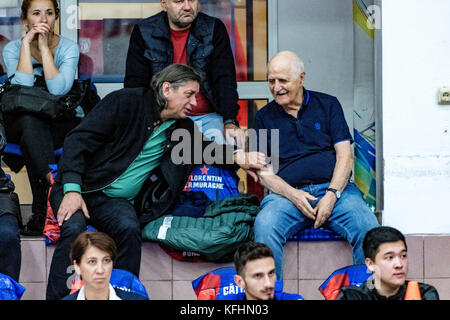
335 191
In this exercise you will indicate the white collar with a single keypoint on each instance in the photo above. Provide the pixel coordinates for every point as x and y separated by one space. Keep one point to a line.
112 294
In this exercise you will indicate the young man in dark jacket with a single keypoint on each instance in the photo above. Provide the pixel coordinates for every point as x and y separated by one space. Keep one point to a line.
182 34
108 157
386 256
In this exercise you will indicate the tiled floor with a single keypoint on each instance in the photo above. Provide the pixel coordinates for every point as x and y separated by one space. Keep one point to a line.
306 266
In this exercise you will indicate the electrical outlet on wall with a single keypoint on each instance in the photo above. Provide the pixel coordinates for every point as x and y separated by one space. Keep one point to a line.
444 95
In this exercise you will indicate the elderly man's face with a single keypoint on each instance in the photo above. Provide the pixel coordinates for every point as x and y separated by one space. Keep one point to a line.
180 101
181 13
285 87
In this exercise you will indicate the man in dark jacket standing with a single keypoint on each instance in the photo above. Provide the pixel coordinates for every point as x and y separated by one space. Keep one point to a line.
180 34
108 157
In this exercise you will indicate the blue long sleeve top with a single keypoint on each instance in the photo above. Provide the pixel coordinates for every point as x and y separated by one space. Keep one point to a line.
66 60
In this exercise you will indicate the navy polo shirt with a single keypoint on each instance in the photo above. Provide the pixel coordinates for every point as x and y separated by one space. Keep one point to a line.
306 143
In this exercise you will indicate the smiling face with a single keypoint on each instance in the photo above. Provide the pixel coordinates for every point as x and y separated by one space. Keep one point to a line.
285 84
181 13
391 265
180 101
40 11
259 279
95 268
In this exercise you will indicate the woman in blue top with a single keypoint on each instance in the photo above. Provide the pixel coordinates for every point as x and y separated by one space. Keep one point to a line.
44 53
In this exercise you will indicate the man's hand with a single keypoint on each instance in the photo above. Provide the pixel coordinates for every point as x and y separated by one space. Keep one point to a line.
250 161
234 132
324 208
71 202
300 199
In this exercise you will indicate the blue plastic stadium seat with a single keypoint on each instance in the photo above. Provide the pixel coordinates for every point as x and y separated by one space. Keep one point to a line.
10 289
312 234
13 148
120 279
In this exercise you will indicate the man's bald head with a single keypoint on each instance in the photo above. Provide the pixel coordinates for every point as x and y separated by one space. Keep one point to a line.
285 74
289 59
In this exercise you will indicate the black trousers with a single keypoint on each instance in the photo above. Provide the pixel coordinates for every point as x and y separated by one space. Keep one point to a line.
38 138
10 250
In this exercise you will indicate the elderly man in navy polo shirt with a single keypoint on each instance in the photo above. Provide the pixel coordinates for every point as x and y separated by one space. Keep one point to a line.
311 185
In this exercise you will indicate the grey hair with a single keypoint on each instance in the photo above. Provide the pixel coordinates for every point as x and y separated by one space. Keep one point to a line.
177 75
297 67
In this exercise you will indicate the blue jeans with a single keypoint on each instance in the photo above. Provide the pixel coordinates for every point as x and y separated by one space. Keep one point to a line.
116 217
10 251
280 219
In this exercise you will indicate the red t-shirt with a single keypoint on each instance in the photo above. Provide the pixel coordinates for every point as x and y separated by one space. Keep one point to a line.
179 40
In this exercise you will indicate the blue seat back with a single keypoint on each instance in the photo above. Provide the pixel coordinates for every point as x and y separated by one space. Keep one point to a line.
10 289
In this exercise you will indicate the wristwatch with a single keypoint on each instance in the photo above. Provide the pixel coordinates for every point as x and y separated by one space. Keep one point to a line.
336 192
235 122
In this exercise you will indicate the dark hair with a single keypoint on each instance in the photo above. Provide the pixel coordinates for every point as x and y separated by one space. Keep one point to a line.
250 251
377 236
177 75
88 239
27 3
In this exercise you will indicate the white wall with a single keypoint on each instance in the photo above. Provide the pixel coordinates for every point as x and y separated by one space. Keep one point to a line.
321 33
416 129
